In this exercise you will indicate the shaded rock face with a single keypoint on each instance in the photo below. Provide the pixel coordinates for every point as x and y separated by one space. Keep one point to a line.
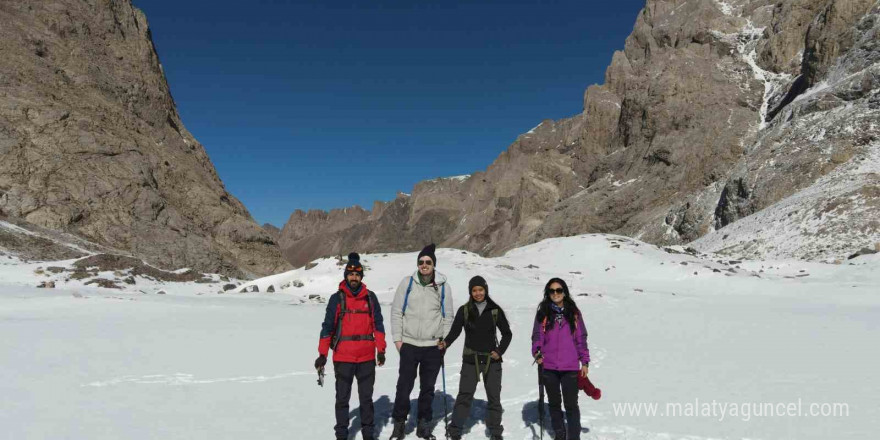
272 230
714 111
91 143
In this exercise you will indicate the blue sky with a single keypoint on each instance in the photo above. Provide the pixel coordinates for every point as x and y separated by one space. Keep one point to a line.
330 104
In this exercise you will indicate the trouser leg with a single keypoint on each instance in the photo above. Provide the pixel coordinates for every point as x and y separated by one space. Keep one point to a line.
366 377
466 388
570 398
554 400
429 368
493 394
344 372
406 378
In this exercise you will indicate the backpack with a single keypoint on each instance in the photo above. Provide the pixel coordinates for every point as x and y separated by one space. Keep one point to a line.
442 298
337 332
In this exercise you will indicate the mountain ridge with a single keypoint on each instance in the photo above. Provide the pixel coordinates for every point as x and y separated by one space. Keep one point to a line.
650 157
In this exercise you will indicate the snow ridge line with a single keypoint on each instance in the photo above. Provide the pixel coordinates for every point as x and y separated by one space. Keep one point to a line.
190 379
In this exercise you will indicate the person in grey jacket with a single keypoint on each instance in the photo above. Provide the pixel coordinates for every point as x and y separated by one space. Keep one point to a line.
421 315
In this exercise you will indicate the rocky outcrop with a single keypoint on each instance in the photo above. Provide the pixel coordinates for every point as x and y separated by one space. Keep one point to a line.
714 111
91 143
812 175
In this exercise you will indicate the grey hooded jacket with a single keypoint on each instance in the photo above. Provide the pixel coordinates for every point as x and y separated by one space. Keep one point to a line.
424 324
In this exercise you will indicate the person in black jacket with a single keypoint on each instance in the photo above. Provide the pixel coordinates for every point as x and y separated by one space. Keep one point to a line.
481 356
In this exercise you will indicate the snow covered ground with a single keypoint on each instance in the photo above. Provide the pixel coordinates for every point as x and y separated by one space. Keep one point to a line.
81 362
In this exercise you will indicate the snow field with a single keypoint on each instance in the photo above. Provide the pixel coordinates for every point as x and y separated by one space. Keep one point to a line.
91 363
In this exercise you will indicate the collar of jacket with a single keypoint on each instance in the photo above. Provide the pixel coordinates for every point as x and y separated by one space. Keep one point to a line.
489 304
343 286
439 278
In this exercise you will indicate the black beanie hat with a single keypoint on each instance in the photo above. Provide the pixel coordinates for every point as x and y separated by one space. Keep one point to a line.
354 265
428 251
478 281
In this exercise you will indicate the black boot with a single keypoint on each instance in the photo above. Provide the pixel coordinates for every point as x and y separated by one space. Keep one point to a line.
397 432
424 430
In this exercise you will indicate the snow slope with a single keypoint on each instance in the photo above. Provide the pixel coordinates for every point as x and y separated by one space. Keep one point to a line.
79 362
813 223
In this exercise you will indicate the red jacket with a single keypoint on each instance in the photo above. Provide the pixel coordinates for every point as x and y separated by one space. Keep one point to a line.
361 333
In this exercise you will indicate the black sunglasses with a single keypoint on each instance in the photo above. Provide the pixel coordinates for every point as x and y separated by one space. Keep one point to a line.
426 263
551 291
351 268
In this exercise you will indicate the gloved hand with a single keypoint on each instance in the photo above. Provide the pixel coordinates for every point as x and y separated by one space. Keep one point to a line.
320 362
380 359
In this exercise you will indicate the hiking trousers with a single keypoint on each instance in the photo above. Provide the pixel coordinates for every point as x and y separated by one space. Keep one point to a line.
555 380
346 372
424 362
466 388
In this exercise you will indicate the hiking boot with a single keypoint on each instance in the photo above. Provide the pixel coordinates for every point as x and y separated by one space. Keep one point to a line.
496 437
397 432
424 430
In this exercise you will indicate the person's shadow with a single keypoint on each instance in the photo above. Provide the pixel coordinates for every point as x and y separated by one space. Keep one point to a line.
381 416
530 416
383 407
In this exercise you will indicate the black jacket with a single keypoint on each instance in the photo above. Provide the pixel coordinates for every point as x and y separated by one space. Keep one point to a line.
479 332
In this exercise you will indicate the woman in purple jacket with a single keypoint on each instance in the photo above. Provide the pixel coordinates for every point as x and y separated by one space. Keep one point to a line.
559 345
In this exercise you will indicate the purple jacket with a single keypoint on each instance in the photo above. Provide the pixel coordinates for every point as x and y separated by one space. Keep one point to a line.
562 350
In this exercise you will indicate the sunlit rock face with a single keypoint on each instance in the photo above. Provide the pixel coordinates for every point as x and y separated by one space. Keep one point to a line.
91 143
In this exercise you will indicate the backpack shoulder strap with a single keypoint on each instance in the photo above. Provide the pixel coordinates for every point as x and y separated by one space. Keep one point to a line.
495 325
337 332
443 300
406 297
370 296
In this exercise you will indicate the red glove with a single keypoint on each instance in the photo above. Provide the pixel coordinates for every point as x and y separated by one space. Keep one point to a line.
590 390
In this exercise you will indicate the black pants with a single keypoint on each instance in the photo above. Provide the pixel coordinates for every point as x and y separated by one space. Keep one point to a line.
466 388
346 372
567 381
424 362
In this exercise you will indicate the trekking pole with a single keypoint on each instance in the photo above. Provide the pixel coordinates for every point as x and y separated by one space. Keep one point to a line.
540 392
445 403
321 376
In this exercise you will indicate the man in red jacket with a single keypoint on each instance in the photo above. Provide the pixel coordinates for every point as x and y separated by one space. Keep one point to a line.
353 328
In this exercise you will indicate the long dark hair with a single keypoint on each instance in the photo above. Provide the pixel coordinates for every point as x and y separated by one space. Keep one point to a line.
490 304
570 311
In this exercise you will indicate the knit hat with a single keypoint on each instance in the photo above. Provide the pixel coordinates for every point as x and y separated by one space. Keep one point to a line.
478 281
428 251
354 265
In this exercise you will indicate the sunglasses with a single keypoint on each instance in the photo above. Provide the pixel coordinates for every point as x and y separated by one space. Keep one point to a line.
351 268
426 263
552 291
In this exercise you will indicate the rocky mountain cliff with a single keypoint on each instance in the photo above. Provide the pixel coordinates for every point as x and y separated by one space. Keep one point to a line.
91 143
713 112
